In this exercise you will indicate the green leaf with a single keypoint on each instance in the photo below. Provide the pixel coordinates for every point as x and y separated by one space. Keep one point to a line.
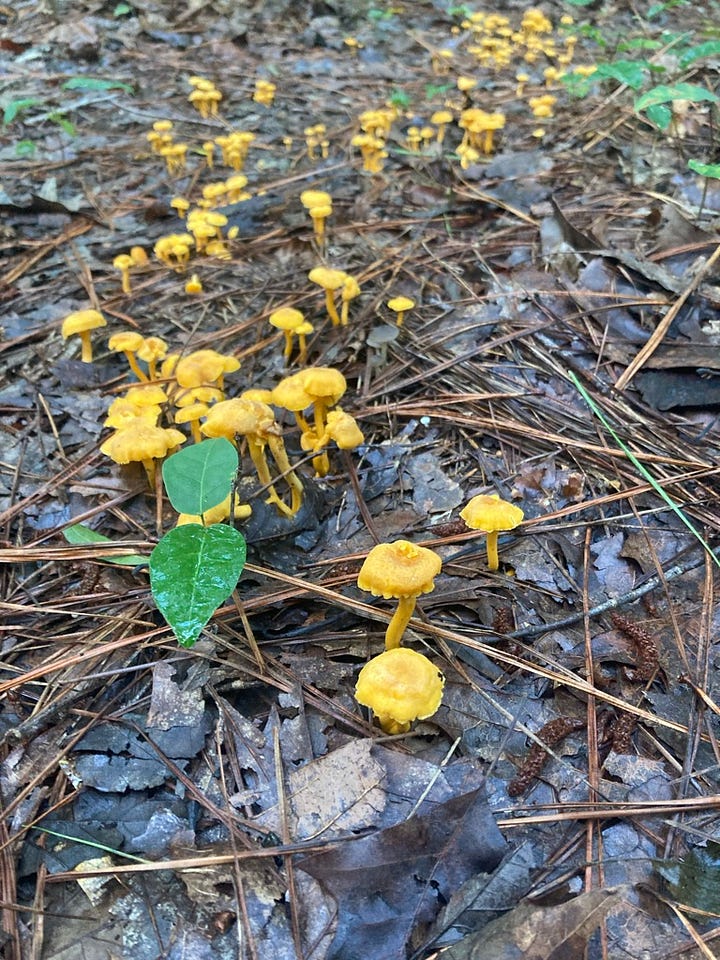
630 72
579 3
25 148
710 48
193 569
705 169
95 83
200 476
16 107
666 93
80 534
62 121
660 115
122 9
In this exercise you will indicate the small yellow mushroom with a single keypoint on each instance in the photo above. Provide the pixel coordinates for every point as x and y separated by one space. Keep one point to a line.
400 686
81 323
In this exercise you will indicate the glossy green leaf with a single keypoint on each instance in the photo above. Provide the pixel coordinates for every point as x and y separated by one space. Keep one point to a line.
660 115
193 570
705 169
200 476
667 92
95 83
630 72
80 534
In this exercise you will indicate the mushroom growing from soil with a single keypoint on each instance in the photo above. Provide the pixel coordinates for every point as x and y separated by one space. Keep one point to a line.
129 342
144 443
330 280
400 306
400 686
401 570
289 320
490 513
255 421
81 323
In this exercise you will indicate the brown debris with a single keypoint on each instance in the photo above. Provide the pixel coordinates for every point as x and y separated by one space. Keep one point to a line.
647 651
551 734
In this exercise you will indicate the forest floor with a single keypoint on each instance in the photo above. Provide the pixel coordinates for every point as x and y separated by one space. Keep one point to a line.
231 798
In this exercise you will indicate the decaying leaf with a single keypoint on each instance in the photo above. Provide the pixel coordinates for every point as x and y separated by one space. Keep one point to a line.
539 933
394 882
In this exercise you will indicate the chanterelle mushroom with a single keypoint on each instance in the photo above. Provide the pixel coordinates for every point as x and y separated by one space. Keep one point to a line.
401 570
81 323
488 512
400 686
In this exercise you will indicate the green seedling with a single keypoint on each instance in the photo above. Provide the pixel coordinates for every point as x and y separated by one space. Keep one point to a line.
711 171
194 568
654 102
16 108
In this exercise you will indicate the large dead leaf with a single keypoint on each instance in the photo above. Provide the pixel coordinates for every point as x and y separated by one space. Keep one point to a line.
539 933
395 881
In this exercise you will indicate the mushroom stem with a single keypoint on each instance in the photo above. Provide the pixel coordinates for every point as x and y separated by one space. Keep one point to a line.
302 348
321 464
257 455
492 550
86 355
331 308
277 448
287 353
400 620
150 471
135 367
391 726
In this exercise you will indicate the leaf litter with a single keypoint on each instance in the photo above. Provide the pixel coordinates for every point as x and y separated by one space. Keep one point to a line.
273 817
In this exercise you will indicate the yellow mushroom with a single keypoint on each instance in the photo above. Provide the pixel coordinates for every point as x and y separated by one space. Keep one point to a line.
123 262
287 319
401 570
151 350
81 323
330 280
216 514
144 443
400 686
489 513
129 342
400 306
256 422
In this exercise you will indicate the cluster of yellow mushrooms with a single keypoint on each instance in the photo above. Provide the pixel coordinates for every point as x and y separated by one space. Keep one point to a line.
402 685
180 397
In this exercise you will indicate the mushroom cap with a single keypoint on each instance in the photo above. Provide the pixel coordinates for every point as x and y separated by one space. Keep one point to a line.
315 198
146 394
320 210
327 278
123 261
286 318
152 348
123 412
381 335
141 441
206 395
291 394
351 288
488 512
399 569
257 393
193 411
202 367
441 117
322 384
343 429
238 416
82 320
400 684
400 304
127 340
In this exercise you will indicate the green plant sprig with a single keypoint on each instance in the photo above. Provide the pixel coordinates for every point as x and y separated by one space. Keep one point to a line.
642 470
